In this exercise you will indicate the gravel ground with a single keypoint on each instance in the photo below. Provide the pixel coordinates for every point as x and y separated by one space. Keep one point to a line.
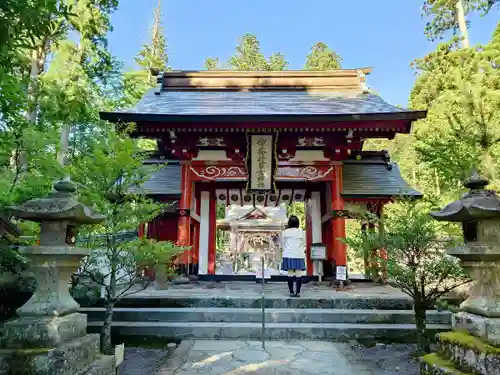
391 359
141 361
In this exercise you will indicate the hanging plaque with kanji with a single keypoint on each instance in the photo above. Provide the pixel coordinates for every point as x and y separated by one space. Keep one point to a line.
261 163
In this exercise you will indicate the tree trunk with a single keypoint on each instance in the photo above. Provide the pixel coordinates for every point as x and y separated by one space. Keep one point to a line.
462 23
106 344
18 158
420 320
64 145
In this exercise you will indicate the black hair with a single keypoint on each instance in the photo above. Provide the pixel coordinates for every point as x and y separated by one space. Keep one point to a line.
293 222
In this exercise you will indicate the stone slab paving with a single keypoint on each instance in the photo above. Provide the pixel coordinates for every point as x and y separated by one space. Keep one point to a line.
209 357
236 289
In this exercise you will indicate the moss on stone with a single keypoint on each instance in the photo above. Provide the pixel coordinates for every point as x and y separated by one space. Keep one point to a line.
465 339
33 350
434 359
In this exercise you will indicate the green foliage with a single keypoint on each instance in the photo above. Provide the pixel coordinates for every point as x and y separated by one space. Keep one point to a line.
298 209
152 58
322 57
417 261
110 179
461 90
36 104
443 14
248 57
212 63
154 253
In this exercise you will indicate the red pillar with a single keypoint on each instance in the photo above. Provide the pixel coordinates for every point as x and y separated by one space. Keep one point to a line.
195 240
309 263
212 221
184 220
141 230
339 251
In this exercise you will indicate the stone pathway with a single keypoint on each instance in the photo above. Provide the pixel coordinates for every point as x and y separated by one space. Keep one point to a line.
209 357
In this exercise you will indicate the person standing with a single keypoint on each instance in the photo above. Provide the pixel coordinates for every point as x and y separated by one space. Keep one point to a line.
293 244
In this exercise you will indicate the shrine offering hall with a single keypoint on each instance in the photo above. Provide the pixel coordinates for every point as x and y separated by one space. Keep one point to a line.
247 144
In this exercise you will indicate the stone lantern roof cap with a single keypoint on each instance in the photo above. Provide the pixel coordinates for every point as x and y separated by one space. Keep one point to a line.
477 204
59 205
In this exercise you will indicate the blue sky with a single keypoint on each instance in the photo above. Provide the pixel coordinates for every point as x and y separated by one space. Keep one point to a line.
384 34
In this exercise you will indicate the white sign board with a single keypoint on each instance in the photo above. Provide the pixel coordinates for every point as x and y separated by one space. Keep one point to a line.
318 252
267 274
261 157
119 354
341 273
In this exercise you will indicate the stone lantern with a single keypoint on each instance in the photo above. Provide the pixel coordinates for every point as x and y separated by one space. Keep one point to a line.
49 334
473 346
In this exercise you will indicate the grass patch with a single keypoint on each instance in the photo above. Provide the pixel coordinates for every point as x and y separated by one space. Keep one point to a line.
433 359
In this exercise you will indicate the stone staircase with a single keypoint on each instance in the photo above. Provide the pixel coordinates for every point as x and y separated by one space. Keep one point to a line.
339 319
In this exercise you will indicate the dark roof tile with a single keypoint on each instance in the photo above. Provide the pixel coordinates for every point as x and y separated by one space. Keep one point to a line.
363 180
260 103
166 181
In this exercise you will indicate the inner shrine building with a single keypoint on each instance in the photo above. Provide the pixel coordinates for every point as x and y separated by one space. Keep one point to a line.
266 139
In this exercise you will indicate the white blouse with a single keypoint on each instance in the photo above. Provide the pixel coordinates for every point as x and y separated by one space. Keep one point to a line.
293 243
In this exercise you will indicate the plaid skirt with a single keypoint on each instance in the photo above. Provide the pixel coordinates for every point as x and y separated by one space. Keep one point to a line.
293 264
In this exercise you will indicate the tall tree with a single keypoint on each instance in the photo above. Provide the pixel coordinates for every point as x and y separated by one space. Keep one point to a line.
461 90
444 14
248 57
40 30
417 259
152 57
106 176
322 57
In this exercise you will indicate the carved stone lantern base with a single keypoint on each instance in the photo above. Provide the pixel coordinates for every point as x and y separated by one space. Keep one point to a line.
49 337
52 267
43 332
474 345
80 356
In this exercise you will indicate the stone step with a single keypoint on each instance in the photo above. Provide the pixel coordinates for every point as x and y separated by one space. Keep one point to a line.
433 364
353 301
470 353
253 315
274 331
104 365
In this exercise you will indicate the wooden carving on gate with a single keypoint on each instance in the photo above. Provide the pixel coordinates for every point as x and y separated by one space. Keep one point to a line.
215 172
307 173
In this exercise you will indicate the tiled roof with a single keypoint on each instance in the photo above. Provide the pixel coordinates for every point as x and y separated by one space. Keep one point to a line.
166 181
338 94
368 179
206 103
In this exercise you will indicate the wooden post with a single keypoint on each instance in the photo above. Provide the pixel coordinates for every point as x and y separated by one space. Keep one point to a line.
338 223
184 220
212 221
196 234
383 252
141 230
309 263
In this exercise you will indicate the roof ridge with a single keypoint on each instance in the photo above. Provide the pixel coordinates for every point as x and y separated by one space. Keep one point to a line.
293 80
